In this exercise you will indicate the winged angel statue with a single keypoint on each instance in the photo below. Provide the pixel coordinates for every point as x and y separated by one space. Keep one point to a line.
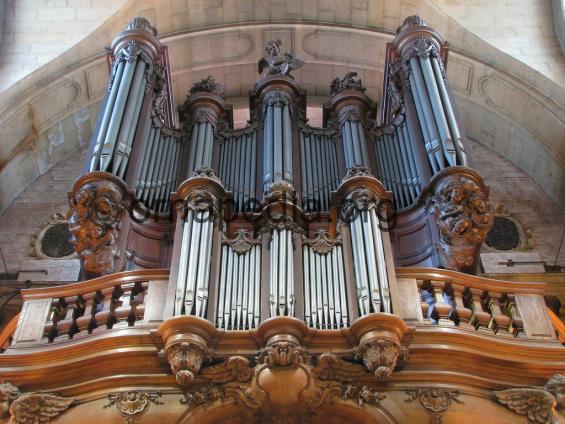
540 405
277 63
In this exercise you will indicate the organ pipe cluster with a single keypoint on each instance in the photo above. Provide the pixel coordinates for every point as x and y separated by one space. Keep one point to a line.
305 238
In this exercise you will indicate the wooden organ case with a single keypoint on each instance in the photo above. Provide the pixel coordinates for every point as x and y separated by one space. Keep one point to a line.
281 273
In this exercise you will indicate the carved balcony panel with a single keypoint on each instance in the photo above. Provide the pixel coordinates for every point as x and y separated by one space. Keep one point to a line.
81 310
498 308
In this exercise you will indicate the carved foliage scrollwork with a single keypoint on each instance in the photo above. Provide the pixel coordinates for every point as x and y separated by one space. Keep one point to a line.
279 221
464 217
200 200
242 243
351 113
434 400
321 243
131 405
205 394
362 395
331 367
94 219
277 98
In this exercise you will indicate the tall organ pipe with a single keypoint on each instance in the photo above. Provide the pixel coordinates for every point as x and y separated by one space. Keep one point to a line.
277 137
281 285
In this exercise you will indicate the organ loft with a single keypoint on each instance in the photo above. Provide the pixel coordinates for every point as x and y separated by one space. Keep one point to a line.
280 272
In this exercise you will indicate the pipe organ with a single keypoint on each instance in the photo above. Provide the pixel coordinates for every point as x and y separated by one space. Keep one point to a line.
280 273
280 218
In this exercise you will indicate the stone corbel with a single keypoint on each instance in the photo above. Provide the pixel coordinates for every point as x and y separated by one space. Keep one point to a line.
186 345
98 202
382 343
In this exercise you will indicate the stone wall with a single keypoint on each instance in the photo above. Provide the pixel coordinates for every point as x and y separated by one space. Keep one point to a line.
36 31
520 28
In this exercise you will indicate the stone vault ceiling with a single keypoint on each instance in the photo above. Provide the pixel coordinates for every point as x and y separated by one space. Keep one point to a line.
503 103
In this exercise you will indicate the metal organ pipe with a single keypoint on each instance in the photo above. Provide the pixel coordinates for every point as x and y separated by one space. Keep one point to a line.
237 168
194 265
369 262
281 285
277 137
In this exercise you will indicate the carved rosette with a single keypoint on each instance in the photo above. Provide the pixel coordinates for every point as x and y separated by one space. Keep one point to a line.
379 356
464 218
435 400
97 205
185 359
131 405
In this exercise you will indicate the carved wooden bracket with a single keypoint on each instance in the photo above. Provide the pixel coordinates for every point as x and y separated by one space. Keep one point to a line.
464 216
382 342
18 408
186 341
98 201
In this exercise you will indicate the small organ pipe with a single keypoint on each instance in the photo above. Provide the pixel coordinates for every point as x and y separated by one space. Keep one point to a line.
287 140
273 295
313 289
290 274
306 278
183 264
222 288
257 312
381 262
277 143
145 152
268 143
341 278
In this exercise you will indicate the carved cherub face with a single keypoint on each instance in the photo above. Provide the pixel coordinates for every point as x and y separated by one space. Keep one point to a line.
457 194
479 204
8 394
556 386
461 225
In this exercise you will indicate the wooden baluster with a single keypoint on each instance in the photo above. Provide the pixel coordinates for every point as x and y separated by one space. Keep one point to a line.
517 326
115 303
58 312
449 296
137 298
501 321
428 297
64 325
462 314
423 304
442 302
97 307
79 308
473 299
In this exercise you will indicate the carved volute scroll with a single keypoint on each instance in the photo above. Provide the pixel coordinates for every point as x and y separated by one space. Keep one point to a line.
383 343
98 202
540 405
464 216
